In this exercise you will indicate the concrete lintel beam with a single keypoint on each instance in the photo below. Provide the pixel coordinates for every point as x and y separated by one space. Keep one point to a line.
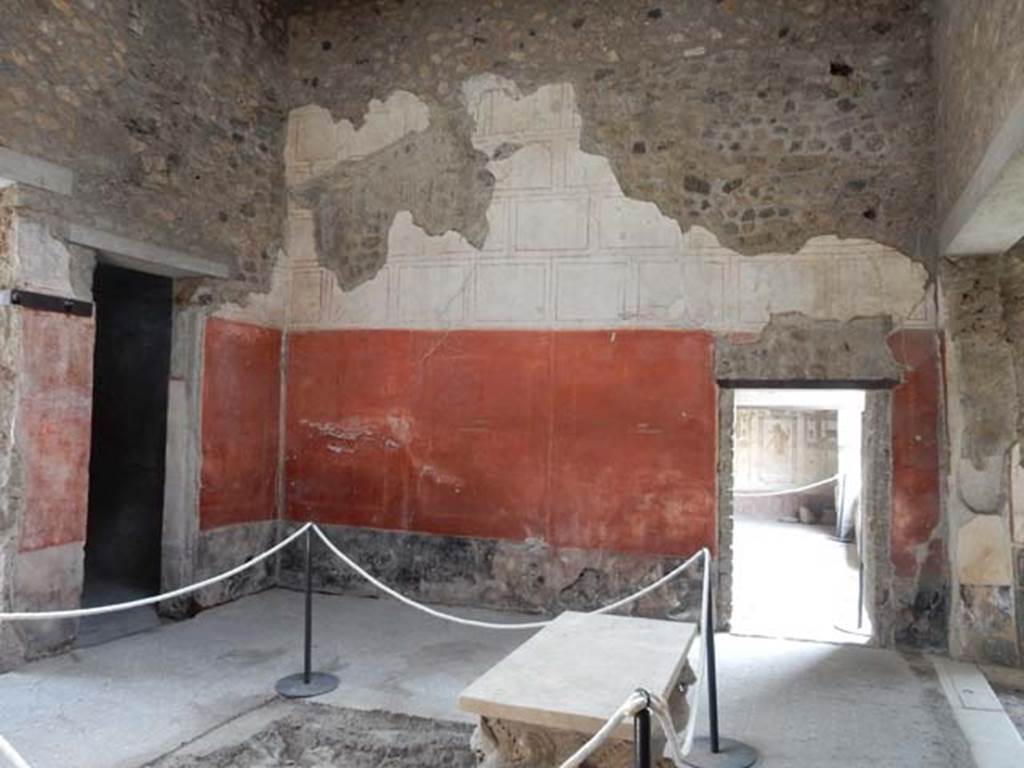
988 217
16 168
145 257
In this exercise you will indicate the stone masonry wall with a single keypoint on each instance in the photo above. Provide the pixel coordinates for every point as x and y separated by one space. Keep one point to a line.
906 537
169 113
565 246
45 414
463 165
528 576
171 116
10 480
397 278
978 55
765 124
984 309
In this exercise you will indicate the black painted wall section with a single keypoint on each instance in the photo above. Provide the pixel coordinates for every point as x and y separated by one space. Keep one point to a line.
528 577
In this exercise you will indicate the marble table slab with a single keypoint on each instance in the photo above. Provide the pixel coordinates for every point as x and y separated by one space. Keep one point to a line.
575 672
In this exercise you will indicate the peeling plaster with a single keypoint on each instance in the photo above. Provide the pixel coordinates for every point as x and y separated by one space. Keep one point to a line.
982 364
793 347
725 109
11 484
356 430
551 199
434 173
983 551
984 312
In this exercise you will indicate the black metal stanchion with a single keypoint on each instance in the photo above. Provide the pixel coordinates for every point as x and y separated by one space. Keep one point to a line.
307 682
713 751
642 736
712 673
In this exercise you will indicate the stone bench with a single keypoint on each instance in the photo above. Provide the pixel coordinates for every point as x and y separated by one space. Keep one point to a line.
543 701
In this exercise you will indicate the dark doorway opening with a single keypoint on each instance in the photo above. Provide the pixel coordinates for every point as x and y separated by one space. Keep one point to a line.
129 434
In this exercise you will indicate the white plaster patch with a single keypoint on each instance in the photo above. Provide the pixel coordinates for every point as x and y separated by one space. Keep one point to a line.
590 291
552 224
407 240
980 489
592 256
266 309
1016 496
350 434
983 554
440 477
305 299
365 305
432 294
316 141
511 293
42 261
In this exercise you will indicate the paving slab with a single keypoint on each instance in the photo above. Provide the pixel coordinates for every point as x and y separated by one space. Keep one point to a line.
991 735
122 704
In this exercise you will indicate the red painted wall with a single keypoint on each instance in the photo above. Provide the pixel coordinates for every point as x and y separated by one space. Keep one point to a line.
240 427
915 448
54 426
589 439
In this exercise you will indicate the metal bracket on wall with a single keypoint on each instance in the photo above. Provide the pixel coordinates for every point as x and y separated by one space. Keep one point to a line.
46 303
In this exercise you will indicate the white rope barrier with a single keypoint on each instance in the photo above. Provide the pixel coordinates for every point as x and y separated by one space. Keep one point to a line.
658 706
785 491
630 707
705 600
114 607
663 715
588 748
491 624
633 704
10 754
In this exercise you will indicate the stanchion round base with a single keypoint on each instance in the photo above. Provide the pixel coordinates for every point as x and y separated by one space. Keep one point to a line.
296 687
731 754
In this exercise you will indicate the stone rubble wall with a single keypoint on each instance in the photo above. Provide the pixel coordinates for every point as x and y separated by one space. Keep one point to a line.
983 307
170 114
764 124
46 379
738 168
565 247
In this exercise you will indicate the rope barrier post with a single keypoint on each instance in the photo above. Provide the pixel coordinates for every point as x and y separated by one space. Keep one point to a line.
714 751
709 624
642 734
307 683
